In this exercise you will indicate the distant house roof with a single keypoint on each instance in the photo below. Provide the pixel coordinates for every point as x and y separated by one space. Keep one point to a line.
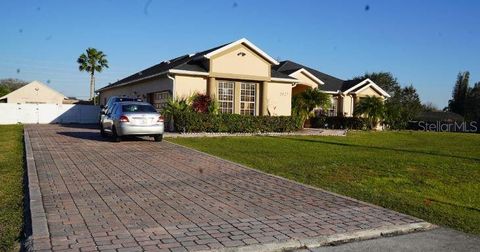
29 86
442 116
196 62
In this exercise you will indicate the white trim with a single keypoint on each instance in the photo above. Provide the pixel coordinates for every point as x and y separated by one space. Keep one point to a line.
249 44
331 92
187 72
358 85
374 86
308 74
133 81
172 71
284 80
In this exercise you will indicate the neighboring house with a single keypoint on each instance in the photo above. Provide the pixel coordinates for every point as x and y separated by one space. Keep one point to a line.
242 77
34 92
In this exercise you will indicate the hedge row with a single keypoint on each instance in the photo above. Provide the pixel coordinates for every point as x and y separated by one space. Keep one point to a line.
189 121
339 122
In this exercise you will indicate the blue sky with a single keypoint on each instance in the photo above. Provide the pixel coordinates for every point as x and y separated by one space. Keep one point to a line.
424 43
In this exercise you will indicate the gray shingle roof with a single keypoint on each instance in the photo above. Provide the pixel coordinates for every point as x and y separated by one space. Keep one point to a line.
193 62
332 83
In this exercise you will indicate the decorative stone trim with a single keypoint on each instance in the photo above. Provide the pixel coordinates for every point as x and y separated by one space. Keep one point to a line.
304 132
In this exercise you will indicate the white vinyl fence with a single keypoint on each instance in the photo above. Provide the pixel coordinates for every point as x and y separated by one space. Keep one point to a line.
11 113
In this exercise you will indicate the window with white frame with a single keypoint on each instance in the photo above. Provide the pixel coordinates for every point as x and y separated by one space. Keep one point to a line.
225 96
247 98
333 108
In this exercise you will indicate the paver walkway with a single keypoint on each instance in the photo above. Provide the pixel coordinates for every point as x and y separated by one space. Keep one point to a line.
143 195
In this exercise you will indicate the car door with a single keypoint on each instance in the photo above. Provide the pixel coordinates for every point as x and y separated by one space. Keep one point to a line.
107 120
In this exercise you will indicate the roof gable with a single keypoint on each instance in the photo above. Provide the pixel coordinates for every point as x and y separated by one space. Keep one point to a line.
245 42
30 86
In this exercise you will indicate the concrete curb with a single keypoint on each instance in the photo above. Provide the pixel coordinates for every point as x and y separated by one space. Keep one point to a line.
37 211
333 239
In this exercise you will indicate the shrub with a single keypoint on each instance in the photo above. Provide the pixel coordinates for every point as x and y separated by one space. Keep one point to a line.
339 122
200 103
190 121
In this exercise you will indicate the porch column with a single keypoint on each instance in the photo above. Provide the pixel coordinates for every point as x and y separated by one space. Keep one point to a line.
263 98
211 87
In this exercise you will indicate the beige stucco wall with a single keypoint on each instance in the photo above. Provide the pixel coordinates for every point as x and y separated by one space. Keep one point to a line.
369 92
279 97
347 105
231 64
140 89
305 80
186 86
35 92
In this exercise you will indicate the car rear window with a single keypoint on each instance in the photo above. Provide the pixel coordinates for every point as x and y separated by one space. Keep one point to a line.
138 108
120 99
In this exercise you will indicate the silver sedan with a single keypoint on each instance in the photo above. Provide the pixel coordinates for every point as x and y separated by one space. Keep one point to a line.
132 119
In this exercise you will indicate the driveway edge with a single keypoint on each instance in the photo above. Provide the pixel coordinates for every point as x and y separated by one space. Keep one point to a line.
334 239
359 235
40 233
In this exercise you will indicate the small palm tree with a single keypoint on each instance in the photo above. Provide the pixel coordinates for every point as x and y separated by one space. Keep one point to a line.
305 102
372 107
91 62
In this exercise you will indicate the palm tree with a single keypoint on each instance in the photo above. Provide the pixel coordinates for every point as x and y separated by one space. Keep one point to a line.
305 102
91 62
372 107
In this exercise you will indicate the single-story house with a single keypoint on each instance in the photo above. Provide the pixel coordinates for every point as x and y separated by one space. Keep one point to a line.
34 92
243 78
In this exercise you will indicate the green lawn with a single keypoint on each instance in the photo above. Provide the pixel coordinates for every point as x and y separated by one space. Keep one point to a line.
11 186
433 176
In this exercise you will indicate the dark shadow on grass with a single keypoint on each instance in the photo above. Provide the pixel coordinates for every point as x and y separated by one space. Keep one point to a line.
95 136
374 147
453 204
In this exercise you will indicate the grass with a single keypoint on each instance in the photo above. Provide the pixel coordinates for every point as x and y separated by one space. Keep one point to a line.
11 186
433 176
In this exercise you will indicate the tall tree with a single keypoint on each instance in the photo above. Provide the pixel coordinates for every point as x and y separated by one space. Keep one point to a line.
91 62
459 94
10 85
429 107
472 103
372 108
410 105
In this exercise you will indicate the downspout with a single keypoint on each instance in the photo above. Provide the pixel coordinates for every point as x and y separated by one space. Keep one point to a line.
170 123
173 84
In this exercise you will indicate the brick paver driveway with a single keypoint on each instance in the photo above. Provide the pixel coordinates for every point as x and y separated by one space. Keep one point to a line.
142 195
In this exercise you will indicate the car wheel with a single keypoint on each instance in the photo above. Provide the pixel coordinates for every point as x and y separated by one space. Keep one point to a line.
116 137
102 132
158 138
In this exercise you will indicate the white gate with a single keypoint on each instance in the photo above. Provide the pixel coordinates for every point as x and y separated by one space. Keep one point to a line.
11 113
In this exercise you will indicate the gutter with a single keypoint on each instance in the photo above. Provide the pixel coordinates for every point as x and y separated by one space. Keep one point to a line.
171 71
173 84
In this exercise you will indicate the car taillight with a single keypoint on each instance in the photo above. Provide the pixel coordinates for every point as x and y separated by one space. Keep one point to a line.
123 119
160 119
